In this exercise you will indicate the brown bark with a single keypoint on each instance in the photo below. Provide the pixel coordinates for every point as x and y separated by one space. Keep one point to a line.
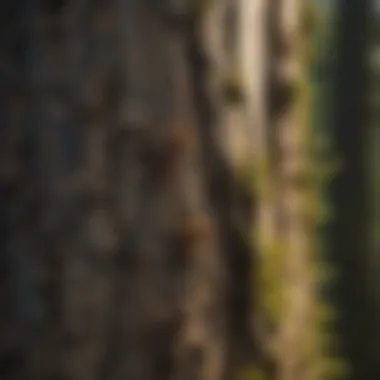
293 345
126 198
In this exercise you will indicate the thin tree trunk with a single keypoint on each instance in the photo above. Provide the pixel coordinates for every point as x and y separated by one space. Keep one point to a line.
350 192
293 345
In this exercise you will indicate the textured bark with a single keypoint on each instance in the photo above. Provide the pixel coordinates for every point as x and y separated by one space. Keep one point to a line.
118 185
292 343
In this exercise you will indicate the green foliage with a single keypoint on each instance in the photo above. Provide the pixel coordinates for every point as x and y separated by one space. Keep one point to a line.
253 178
319 174
271 282
321 169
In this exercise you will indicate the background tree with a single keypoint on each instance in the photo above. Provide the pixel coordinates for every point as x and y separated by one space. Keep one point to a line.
351 192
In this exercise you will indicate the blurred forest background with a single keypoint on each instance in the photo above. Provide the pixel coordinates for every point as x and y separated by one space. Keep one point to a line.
189 190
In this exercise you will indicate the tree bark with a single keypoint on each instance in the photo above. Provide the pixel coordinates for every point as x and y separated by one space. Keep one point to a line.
120 187
292 345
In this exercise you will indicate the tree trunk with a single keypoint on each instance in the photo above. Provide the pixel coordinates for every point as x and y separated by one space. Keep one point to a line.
350 238
120 187
292 345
